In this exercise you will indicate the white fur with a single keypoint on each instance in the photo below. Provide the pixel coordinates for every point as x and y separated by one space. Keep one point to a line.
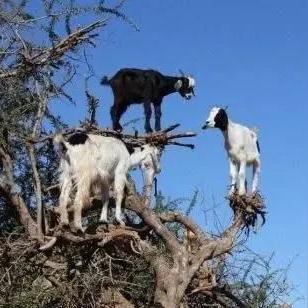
191 82
178 85
148 167
94 166
241 146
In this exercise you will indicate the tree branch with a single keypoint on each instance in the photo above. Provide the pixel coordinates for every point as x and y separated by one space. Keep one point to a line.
11 192
187 222
135 203
42 105
32 63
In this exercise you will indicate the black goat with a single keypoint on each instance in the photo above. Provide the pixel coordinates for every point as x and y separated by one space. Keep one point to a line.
136 86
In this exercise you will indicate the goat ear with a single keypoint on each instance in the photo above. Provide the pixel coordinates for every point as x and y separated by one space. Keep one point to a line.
178 85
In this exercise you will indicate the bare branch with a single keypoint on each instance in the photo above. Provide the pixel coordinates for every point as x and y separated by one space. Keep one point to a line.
46 56
186 221
42 105
161 138
11 192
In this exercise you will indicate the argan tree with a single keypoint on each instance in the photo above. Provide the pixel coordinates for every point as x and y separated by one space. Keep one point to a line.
161 258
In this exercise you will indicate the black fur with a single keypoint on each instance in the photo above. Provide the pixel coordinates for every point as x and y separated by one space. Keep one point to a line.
136 86
129 148
221 119
78 138
258 147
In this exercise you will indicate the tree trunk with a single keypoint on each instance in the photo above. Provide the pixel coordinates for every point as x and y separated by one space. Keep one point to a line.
23 213
171 281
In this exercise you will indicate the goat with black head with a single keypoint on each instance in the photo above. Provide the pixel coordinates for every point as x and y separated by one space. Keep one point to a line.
242 146
136 86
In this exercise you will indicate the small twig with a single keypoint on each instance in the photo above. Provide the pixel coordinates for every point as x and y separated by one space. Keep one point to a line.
184 135
188 145
54 53
8 277
49 244
169 129
133 248
22 41
110 271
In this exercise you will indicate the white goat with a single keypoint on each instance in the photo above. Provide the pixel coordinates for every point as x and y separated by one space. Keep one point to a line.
93 163
242 147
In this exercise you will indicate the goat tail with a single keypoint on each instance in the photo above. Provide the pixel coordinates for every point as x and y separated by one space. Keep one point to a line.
105 81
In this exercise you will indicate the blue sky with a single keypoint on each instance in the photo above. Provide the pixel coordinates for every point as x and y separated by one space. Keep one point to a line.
248 55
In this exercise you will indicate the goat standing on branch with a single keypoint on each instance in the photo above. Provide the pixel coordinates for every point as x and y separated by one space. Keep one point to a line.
93 163
241 144
135 86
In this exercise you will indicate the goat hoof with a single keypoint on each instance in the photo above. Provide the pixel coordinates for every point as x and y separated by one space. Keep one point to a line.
118 128
78 230
63 226
103 221
149 130
102 227
120 222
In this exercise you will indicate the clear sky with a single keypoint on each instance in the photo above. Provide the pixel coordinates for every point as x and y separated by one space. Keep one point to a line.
250 55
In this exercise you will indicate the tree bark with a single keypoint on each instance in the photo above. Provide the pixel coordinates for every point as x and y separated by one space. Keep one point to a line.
175 270
11 192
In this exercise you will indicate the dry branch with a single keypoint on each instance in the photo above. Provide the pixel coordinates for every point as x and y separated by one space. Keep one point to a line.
100 237
32 63
11 192
161 138
249 207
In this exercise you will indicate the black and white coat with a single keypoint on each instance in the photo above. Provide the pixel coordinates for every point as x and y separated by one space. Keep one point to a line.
136 86
92 163
242 146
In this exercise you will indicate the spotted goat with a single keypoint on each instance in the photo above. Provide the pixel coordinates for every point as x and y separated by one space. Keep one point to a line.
90 164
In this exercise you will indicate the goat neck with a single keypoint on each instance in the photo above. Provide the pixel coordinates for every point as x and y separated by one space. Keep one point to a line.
138 156
168 86
229 134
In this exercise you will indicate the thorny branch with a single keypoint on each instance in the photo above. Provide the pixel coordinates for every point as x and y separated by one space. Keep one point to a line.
32 63
161 138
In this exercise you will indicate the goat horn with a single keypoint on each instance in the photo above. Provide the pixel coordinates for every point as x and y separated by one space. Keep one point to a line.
182 73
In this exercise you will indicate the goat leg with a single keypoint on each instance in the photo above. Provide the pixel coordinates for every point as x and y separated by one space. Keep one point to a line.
148 114
157 109
119 184
242 178
116 112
